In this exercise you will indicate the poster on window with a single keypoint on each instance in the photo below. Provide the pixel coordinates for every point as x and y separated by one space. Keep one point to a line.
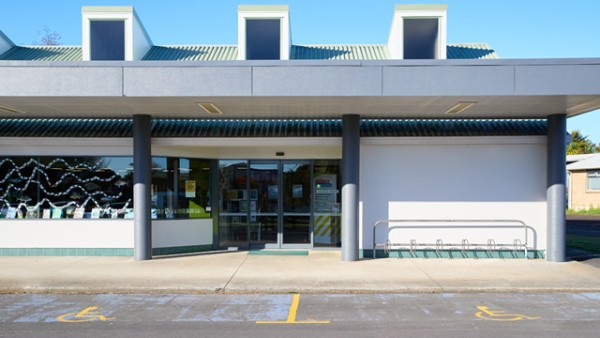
326 193
190 188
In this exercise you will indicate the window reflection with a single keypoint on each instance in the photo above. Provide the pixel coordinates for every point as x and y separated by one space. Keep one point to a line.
180 188
66 187
100 187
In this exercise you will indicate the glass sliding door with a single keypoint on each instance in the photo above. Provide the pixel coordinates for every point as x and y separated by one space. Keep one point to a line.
233 189
279 204
296 201
263 204
326 203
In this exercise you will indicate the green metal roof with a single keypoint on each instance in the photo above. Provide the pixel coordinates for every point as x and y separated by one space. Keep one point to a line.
339 52
192 53
211 128
43 53
470 51
229 52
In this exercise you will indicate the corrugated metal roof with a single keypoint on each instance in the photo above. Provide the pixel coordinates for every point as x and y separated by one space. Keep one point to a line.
454 127
192 53
268 128
470 51
339 52
43 53
229 52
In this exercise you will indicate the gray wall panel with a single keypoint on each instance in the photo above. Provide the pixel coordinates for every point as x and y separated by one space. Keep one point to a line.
448 81
188 81
60 81
558 80
317 81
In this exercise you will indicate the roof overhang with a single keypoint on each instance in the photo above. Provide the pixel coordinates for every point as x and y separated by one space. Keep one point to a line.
531 88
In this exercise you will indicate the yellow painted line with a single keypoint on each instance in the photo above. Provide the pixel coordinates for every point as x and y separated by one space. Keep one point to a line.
291 319
86 315
486 313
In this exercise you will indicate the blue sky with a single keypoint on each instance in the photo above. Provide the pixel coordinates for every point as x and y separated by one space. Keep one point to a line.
514 28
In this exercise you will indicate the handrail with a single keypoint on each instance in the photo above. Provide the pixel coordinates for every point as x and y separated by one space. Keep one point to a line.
445 226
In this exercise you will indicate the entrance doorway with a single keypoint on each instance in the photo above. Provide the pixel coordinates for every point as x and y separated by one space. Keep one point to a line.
272 204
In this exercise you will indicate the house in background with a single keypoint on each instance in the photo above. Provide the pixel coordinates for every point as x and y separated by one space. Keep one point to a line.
583 181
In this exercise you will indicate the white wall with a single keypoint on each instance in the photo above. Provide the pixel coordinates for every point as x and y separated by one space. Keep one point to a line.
101 233
66 233
185 232
454 178
141 41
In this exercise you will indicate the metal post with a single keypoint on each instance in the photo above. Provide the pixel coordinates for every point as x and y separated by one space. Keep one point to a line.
142 177
555 192
350 185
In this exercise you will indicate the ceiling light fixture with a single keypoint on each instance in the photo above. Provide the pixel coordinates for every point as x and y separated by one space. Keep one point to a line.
210 108
460 107
10 110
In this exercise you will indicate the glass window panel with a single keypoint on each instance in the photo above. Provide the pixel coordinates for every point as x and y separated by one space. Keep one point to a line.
263 39
296 229
66 187
296 187
107 40
233 222
180 188
593 180
264 186
326 215
233 231
263 229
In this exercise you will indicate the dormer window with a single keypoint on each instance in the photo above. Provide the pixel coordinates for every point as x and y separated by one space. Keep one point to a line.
107 40
418 32
263 33
263 39
113 33
420 38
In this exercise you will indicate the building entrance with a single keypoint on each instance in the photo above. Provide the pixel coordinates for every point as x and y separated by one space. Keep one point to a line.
274 204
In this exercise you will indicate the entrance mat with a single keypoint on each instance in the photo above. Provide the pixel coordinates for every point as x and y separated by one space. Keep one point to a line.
279 252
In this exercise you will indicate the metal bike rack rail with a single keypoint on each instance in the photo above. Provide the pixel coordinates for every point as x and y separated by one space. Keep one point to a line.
491 245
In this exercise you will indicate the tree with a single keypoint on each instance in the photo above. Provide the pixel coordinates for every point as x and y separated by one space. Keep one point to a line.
580 144
50 38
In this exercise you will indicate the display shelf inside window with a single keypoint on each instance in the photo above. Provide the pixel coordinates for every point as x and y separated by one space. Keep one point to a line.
66 187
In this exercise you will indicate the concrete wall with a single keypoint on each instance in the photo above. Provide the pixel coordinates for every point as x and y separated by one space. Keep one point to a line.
579 197
454 178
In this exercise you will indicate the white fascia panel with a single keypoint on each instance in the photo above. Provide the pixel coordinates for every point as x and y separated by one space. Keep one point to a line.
137 41
141 43
285 34
396 37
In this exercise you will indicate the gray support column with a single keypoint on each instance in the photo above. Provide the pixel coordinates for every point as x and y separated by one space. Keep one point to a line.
555 193
142 178
350 184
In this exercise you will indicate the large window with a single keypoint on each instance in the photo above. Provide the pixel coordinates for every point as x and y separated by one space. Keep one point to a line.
66 187
263 39
107 40
180 188
593 180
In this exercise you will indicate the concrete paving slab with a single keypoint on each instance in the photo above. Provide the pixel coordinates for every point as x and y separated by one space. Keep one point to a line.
319 272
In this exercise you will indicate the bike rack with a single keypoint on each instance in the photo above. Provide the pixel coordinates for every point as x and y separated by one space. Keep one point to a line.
439 245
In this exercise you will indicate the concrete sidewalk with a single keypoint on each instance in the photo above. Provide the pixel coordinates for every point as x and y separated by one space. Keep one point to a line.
319 272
